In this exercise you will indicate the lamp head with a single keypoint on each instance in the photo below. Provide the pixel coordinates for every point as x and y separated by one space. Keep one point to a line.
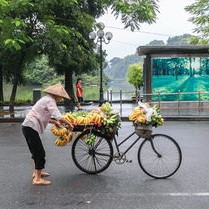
108 36
92 35
101 25
100 33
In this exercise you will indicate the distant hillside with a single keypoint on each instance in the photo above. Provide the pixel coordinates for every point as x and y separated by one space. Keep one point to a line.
117 67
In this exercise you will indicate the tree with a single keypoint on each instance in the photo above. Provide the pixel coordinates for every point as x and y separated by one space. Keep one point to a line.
17 42
135 75
134 12
199 12
77 55
60 29
23 27
180 40
156 43
39 72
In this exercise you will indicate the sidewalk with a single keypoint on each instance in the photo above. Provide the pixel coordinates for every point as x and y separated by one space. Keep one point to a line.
124 109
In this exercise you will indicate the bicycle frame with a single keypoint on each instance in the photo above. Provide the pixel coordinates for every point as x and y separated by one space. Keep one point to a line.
117 145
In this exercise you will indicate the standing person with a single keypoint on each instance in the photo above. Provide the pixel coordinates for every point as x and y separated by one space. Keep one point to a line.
79 93
43 112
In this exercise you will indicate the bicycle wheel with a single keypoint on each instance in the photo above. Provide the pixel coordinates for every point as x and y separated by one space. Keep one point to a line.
93 158
159 157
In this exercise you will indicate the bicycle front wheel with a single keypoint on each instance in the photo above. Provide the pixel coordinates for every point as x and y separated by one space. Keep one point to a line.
93 158
160 156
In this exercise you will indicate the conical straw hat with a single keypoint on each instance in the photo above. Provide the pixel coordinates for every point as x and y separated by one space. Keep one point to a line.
57 90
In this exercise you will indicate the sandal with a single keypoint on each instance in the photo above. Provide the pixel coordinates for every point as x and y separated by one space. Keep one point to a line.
41 182
43 174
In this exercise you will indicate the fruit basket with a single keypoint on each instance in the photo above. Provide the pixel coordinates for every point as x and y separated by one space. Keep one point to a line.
144 131
103 119
144 117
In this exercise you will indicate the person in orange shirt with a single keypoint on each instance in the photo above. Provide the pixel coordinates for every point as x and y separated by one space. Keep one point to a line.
79 93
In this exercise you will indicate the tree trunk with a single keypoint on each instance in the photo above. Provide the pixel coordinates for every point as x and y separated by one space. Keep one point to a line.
69 105
12 97
1 85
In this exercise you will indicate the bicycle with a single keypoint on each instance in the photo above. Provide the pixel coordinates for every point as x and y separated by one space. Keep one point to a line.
159 155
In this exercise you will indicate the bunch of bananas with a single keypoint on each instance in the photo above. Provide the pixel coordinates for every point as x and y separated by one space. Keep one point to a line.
105 121
90 139
109 121
64 134
83 118
157 120
59 130
78 118
145 114
96 119
106 108
138 115
68 137
70 117
60 142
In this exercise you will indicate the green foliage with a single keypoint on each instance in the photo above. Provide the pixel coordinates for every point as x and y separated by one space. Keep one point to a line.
135 75
179 40
39 72
135 12
156 43
185 39
199 12
93 79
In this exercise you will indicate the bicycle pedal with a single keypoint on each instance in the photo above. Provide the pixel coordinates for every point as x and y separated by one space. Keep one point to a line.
128 161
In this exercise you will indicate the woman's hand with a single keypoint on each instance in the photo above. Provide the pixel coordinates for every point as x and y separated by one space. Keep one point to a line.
55 122
70 126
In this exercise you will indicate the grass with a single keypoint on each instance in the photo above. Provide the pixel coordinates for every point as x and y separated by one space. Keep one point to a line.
25 93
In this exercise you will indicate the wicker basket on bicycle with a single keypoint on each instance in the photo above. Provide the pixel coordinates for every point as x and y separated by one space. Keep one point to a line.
143 130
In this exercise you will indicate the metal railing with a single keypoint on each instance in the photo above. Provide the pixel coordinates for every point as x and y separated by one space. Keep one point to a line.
176 104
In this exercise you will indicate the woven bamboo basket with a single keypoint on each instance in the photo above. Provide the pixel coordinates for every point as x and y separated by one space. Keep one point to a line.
144 131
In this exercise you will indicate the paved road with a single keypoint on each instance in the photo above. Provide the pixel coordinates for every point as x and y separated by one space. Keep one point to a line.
120 186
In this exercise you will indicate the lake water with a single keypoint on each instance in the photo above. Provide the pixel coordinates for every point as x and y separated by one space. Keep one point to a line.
116 86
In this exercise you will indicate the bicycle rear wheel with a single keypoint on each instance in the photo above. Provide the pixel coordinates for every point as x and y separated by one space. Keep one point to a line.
93 158
159 157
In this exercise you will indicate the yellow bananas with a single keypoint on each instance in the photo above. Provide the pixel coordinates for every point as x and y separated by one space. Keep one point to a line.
145 114
70 118
58 131
64 134
138 115
61 142
100 117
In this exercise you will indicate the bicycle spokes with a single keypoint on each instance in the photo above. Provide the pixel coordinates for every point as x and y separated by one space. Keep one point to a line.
159 157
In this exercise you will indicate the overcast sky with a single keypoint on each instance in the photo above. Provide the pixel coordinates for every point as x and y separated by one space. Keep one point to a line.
172 21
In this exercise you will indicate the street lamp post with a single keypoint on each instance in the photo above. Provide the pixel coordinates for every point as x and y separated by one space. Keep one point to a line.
101 37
